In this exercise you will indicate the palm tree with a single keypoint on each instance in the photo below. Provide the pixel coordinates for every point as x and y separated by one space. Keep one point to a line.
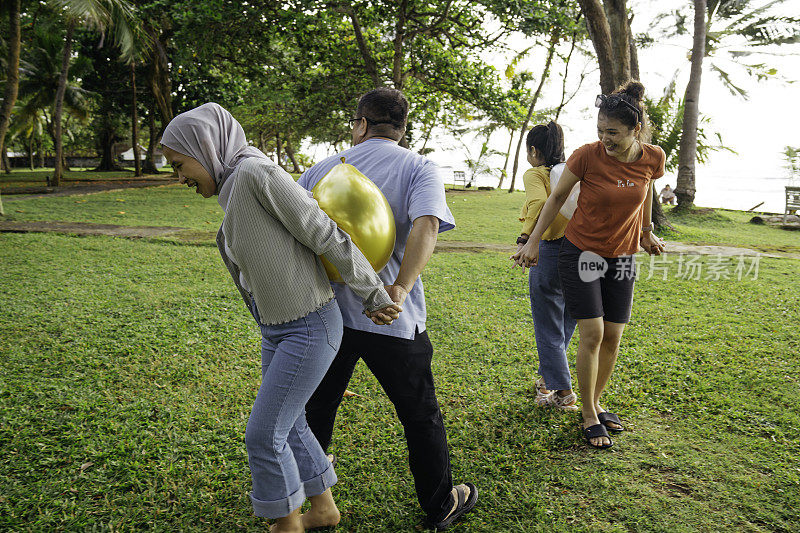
39 85
733 31
687 155
116 15
12 71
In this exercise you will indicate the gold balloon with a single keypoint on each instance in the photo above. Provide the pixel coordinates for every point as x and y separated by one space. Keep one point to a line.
359 208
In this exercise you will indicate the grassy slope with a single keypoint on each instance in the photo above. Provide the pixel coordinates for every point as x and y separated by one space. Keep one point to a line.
130 368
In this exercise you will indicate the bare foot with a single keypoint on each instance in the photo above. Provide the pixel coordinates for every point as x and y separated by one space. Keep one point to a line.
288 524
323 512
320 518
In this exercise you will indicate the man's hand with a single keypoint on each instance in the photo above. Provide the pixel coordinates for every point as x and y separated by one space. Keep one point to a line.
397 293
651 244
384 316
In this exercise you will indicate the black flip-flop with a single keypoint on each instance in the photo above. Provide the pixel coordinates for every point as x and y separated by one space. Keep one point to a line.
606 417
463 506
597 430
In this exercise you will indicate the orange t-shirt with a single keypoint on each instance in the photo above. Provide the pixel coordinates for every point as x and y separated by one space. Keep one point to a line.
608 220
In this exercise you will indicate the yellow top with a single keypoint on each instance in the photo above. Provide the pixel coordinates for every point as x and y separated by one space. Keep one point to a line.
537 190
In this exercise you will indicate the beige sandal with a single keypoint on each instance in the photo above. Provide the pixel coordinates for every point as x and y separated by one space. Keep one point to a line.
565 403
542 398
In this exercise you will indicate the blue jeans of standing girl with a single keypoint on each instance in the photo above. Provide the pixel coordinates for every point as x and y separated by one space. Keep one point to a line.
286 461
552 324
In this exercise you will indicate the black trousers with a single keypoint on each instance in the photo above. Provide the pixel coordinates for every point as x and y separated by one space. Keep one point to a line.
403 368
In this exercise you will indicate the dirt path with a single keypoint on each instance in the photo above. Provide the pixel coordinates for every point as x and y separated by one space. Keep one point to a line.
192 236
79 188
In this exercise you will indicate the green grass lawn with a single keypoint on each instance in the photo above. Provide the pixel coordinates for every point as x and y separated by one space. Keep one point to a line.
130 366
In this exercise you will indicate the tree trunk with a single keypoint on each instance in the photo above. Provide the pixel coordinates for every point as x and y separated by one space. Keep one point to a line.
12 75
149 166
687 156
30 151
617 15
39 152
6 162
160 83
279 149
545 73
59 104
399 38
292 158
369 62
634 54
657 215
137 163
107 138
600 34
504 173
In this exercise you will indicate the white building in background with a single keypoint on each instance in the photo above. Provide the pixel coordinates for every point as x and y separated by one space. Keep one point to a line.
158 157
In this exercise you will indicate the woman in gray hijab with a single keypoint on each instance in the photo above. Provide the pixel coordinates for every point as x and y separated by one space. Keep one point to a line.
270 239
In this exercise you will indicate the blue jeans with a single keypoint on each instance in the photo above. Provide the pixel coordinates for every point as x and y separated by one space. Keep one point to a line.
552 324
286 461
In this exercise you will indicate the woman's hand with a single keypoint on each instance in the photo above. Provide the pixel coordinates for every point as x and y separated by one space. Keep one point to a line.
385 316
528 255
651 243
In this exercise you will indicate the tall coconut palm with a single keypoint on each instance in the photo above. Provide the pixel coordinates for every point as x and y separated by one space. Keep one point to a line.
39 85
115 16
733 31
12 75
687 155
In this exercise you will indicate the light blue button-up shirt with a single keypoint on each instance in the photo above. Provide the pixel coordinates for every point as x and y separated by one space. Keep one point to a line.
414 188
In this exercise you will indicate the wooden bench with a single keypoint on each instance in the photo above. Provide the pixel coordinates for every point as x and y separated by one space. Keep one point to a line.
459 176
792 201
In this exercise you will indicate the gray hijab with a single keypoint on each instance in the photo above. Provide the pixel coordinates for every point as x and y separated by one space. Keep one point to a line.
210 134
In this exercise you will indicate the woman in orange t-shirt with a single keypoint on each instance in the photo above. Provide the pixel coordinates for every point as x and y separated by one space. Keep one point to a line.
596 263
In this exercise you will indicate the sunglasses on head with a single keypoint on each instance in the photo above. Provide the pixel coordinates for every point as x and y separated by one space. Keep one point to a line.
612 101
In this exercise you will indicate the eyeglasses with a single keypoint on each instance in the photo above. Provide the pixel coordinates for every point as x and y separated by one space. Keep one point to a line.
612 101
353 121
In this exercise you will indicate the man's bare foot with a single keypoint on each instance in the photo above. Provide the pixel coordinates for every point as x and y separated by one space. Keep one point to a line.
323 512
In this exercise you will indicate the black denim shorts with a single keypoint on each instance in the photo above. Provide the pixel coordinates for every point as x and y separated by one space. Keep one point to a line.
596 286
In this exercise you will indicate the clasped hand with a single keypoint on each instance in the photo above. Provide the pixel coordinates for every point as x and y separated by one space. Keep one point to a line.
388 314
527 254
652 244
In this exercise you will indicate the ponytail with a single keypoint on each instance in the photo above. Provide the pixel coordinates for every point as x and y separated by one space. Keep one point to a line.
549 141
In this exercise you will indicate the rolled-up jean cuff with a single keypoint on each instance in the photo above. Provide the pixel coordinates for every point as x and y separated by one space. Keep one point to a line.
278 508
559 386
319 484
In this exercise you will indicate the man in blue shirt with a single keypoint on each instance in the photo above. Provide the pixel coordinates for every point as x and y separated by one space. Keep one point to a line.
399 355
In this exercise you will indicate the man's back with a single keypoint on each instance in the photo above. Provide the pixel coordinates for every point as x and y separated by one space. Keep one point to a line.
413 187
